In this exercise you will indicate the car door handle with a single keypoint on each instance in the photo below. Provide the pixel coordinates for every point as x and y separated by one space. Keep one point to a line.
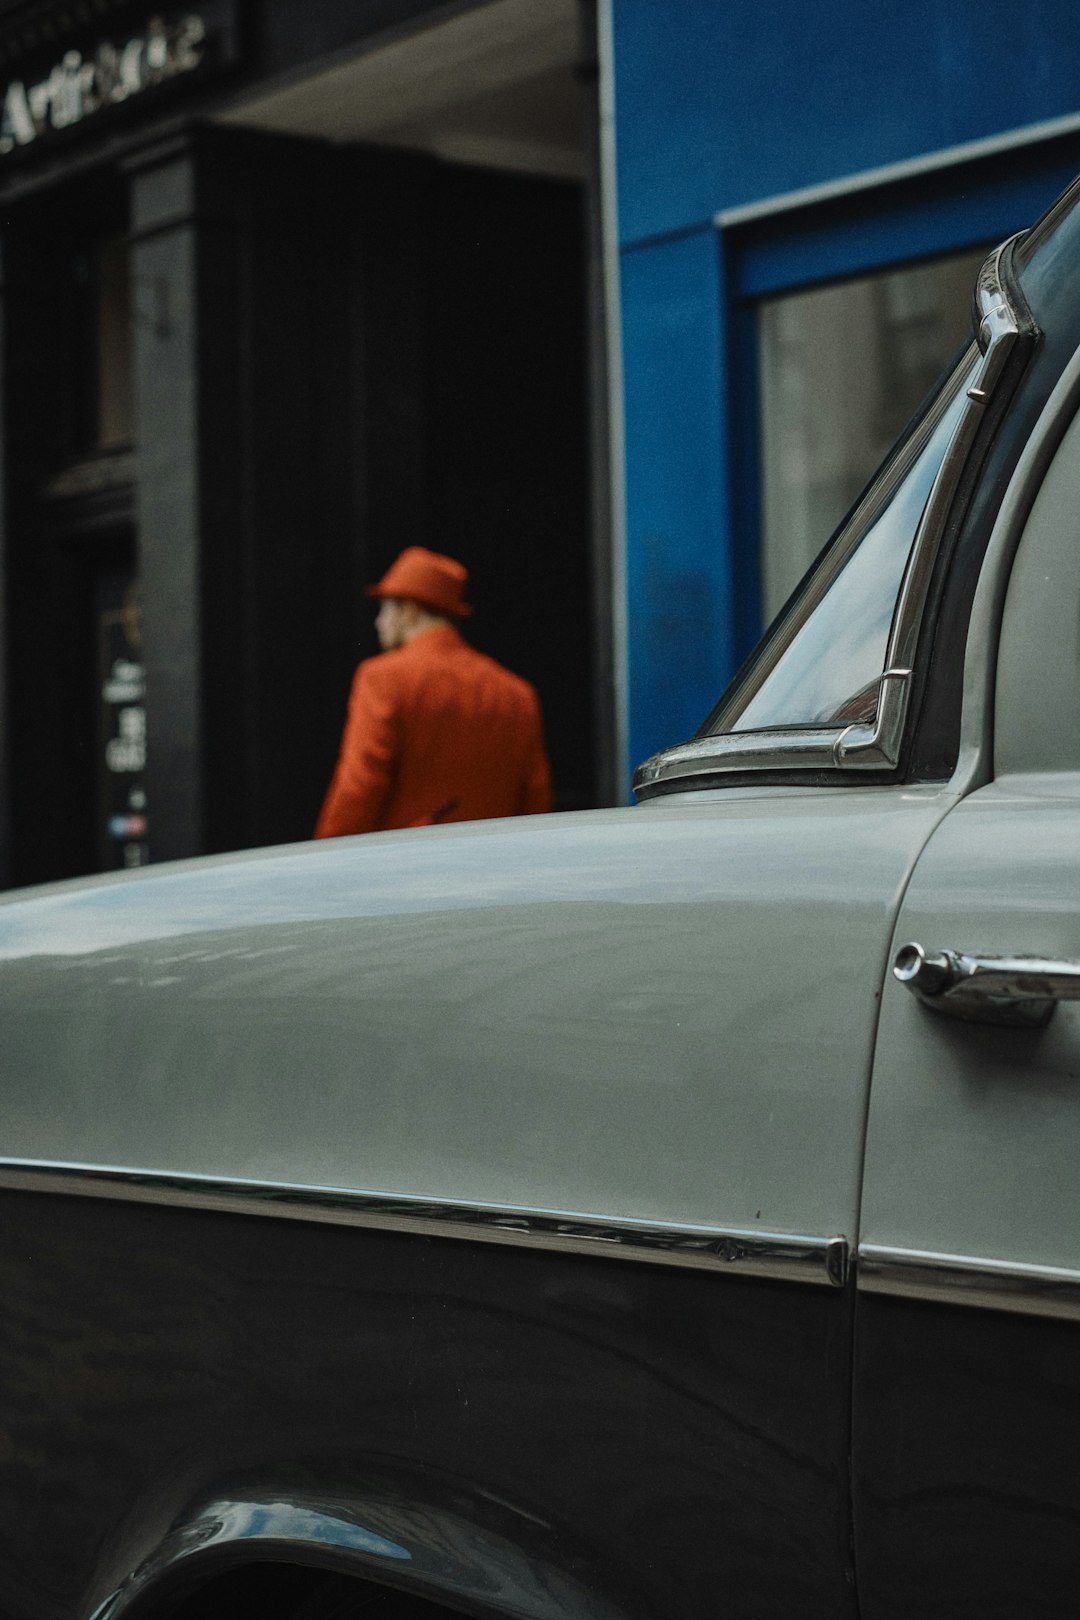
1021 990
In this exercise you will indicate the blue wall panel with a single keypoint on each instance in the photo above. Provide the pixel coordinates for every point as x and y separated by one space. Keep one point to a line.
678 562
941 214
719 104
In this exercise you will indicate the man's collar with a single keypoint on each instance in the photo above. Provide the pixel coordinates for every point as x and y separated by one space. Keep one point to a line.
447 633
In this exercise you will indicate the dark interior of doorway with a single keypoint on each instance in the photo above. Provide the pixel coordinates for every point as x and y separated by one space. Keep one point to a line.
384 350
477 440
69 542
392 351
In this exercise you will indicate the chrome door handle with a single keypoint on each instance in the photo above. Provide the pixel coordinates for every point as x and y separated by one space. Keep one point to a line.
987 989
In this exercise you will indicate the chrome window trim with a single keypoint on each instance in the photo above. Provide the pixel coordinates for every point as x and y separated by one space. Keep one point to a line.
989 1285
775 1256
873 745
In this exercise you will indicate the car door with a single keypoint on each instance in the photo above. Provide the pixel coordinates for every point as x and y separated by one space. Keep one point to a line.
967 1345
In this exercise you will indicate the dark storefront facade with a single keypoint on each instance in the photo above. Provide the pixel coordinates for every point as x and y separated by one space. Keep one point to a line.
261 329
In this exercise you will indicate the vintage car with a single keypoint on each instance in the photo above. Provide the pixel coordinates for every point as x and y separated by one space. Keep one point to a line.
661 1212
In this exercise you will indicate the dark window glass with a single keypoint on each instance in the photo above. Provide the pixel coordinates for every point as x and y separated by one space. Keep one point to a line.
841 369
824 658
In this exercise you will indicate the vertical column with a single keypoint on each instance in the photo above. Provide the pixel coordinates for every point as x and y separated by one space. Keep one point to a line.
164 285
251 481
51 572
595 74
679 542
6 853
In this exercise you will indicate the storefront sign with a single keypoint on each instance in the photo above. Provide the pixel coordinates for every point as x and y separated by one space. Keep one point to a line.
79 86
122 839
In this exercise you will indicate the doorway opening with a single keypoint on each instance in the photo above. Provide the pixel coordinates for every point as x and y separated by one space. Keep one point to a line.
466 151
70 543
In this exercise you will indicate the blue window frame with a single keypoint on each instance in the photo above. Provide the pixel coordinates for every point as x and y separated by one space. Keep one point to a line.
838 235
689 303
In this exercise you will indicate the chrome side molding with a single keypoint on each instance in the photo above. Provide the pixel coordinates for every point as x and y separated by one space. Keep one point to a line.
990 1285
775 1256
1017 990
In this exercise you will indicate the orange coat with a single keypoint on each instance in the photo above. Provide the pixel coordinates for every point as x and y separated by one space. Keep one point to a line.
436 732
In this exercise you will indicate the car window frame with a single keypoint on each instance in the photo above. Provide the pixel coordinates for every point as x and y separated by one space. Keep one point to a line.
871 750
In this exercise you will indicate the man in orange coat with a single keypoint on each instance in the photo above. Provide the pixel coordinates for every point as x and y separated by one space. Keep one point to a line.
436 731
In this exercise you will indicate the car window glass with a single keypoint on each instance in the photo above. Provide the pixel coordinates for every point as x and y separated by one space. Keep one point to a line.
823 660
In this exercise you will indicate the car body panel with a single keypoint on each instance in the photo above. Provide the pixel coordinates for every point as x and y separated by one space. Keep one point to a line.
529 1427
974 1131
602 1014
964 1426
1038 664
605 1014
966 1119
967 1347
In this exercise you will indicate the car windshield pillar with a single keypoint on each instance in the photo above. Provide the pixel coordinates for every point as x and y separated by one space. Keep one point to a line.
829 688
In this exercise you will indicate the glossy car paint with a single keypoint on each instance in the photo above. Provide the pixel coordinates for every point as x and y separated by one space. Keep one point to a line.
965 1425
606 1014
1001 873
974 1132
966 1383
522 1433
966 1416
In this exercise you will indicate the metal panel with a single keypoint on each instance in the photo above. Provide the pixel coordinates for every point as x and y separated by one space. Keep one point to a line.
974 1133
779 1256
965 1389
516 1433
603 1015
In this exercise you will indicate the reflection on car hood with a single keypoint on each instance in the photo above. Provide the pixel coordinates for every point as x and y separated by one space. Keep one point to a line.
574 1013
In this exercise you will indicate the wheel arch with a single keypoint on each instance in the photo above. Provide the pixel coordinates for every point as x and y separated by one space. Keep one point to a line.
415 1547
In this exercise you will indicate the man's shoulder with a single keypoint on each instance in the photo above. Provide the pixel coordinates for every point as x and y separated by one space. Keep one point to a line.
383 663
413 665
498 675
406 666
383 670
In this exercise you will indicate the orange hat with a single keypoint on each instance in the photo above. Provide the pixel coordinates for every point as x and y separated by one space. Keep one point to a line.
424 576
